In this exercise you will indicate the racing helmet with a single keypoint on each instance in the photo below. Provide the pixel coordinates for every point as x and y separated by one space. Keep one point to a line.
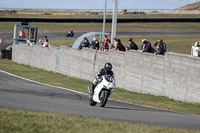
108 67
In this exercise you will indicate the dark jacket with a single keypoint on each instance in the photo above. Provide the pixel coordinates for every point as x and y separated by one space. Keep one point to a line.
147 48
94 45
121 47
161 50
133 46
104 72
164 45
84 44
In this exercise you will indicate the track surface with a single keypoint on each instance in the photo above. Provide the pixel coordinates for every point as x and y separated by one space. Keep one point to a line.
23 94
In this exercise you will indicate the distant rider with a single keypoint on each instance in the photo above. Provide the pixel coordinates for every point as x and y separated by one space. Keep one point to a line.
107 70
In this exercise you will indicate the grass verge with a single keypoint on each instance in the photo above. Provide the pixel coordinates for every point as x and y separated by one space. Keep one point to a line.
24 122
8 27
81 85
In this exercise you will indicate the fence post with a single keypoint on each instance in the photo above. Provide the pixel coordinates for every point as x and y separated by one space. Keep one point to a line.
57 60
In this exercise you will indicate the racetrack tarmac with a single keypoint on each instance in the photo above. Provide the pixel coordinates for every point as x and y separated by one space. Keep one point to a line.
18 93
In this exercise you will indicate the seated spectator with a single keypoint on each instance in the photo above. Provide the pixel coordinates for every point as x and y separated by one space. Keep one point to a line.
146 47
45 42
106 43
45 39
115 44
132 45
85 43
94 44
29 42
197 44
160 49
163 43
120 46
70 34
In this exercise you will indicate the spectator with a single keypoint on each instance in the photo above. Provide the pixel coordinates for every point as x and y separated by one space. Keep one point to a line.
120 46
29 42
106 43
163 43
132 45
45 39
85 43
146 47
197 44
22 34
45 42
115 44
160 48
94 44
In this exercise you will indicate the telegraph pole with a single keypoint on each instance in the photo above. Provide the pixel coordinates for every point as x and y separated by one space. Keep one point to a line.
114 21
104 20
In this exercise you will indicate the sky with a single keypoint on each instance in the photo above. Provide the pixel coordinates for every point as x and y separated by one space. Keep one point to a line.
95 4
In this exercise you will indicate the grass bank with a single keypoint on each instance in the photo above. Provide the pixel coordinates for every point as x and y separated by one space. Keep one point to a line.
23 122
81 85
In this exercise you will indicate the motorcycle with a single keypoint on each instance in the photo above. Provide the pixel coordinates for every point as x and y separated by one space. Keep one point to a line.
102 91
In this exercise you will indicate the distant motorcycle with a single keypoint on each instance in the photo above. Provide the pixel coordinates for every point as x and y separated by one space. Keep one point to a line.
70 34
102 91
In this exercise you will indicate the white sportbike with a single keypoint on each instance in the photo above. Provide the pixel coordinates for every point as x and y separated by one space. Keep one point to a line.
102 91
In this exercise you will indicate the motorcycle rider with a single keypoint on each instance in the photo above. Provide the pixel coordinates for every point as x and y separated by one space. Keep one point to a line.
107 70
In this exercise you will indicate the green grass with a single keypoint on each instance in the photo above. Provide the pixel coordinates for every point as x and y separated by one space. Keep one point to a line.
81 85
8 27
17 121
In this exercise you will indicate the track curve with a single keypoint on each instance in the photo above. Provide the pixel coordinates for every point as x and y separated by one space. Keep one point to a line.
19 93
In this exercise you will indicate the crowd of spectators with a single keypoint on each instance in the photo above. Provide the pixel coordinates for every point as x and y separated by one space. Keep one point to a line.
118 46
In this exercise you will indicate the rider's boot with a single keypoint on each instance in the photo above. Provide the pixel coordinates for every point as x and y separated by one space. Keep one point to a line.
93 87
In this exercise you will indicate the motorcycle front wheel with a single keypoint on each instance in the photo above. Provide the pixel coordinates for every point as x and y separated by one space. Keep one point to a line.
91 101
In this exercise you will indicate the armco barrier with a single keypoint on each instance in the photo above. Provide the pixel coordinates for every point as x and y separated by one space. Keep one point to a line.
173 75
99 20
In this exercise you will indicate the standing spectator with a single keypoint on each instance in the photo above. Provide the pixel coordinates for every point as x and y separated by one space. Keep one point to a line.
146 47
120 46
163 44
85 43
94 44
132 45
